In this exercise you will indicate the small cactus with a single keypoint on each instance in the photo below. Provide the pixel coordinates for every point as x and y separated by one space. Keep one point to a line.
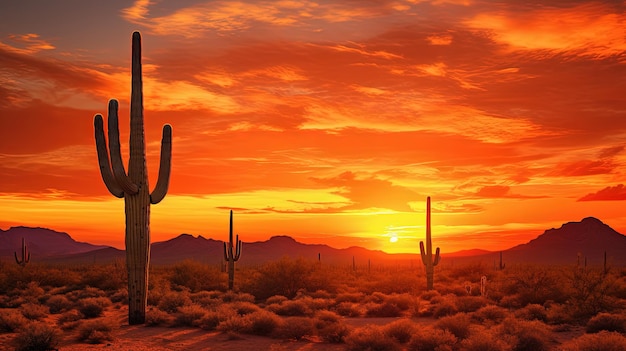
25 255
502 264
427 253
232 252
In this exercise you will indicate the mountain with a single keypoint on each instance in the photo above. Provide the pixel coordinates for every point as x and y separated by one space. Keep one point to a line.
41 242
589 238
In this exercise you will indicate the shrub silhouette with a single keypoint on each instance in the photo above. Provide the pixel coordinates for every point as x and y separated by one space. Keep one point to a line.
58 304
34 311
458 324
608 322
400 330
196 276
97 331
430 339
525 335
93 307
190 315
155 317
602 341
11 320
262 323
296 328
370 338
37 336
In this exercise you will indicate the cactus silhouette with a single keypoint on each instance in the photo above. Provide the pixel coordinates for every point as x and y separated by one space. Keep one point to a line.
232 252
427 254
502 264
25 255
133 186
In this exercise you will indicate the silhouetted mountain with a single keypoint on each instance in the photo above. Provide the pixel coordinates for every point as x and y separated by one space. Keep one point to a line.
590 238
41 242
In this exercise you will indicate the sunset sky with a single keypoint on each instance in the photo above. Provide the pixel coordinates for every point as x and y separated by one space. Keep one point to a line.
329 121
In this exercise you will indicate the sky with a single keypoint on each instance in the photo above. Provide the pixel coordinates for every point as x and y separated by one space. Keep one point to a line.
328 121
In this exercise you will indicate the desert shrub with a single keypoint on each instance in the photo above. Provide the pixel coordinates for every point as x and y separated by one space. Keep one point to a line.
97 331
295 328
291 308
334 333
85 293
11 320
210 321
283 277
349 297
591 292
69 320
32 292
608 322
276 299
108 277
314 304
205 299
262 322
121 295
348 309
233 324
37 336
429 294
534 284
232 296
400 330
490 314
559 314
470 303
430 339
485 340
190 315
93 307
602 341
385 309
526 335
243 307
171 301
370 338
34 311
402 301
326 317
458 324
196 276
58 304
156 317
321 294
532 312
446 307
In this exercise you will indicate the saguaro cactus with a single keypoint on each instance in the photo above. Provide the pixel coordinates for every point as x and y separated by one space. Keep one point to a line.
25 255
133 186
232 252
427 254
502 264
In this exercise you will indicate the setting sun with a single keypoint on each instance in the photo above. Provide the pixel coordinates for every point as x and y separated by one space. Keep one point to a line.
328 122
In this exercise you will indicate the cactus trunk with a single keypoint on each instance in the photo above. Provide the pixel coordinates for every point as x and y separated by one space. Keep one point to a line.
427 253
133 186
232 252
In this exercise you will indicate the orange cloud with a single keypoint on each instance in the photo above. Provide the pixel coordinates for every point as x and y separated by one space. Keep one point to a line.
610 193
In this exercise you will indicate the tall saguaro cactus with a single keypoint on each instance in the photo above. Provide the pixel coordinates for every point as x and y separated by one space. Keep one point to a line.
232 252
427 254
25 255
133 185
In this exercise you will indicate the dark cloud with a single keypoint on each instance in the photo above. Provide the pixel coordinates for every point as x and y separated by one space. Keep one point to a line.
610 193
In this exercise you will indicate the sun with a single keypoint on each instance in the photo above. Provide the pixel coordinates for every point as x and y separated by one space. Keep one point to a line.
393 238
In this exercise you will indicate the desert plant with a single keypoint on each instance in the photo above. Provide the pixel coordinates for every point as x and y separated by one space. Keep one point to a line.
25 255
11 320
263 322
58 304
602 341
133 186
400 330
490 314
427 254
172 301
533 312
485 340
608 322
232 252
155 317
190 315
97 331
526 335
385 309
458 324
93 307
195 276
37 336
370 338
296 328
430 339
34 311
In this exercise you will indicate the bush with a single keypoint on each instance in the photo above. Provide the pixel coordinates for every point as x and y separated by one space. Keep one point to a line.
171 301
430 339
470 303
400 330
532 312
486 340
233 324
296 328
58 304
490 315
444 308
262 322
459 325
190 315
96 331
291 308
210 321
69 320
348 309
156 317
34 311
11 320
93 307
276 299
526 335
37 336
608 322
602 341
196 276
370 338
384 309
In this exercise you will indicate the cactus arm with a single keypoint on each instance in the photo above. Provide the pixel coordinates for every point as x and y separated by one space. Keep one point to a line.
164 167
116 155
16 259
103 159
423 254
237 249
225 252
436 261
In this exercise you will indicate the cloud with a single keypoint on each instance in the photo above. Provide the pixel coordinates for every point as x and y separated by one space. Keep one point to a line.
610 193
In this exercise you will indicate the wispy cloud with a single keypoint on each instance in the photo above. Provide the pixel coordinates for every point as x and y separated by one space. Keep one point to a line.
610 193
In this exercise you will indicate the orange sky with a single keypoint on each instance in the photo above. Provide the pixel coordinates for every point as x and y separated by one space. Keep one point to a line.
329 121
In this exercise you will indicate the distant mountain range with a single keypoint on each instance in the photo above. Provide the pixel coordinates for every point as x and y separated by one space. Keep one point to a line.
589 238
